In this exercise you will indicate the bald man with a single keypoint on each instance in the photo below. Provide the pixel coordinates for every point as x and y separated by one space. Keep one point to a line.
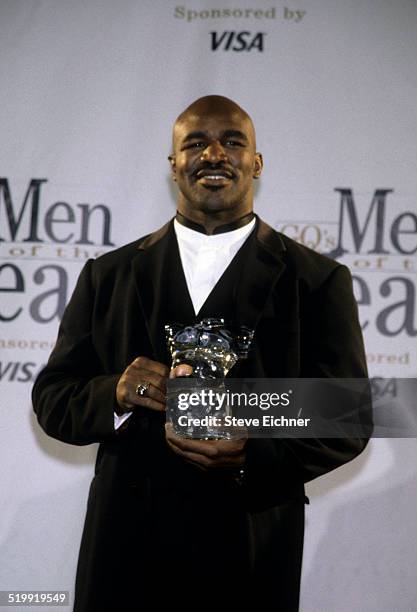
170 519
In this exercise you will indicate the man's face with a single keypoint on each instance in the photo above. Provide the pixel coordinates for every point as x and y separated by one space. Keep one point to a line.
214 161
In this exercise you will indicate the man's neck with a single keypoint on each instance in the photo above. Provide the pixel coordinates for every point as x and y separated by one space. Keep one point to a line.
211 227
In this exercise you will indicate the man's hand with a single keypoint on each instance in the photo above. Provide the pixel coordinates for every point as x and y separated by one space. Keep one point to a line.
206 454
142 371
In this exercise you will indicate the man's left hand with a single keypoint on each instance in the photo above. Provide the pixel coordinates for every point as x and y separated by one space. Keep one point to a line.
207 454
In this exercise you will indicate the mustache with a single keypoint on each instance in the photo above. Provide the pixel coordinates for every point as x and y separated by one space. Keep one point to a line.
220 167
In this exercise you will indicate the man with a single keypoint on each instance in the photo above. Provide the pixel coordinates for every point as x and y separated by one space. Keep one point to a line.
168 518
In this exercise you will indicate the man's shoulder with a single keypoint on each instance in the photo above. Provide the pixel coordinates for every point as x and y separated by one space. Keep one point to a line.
124 252
123 255
303 256
115 263
303 261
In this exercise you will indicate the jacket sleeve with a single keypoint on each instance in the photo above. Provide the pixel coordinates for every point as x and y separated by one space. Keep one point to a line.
73 398
331 346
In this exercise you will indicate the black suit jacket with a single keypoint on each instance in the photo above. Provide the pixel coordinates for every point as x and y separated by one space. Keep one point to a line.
302 307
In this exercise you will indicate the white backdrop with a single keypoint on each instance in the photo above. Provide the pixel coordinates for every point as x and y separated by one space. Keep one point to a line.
89 91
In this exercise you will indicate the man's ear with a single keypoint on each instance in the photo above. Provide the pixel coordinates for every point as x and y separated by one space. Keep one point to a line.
171 159
259 164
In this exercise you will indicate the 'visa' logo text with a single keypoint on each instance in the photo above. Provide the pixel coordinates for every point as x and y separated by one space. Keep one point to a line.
237 41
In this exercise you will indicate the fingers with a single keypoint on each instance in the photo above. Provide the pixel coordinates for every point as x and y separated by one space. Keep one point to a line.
128 399
157 388
209 462
211 448
149 364
181 370
207 453
143 371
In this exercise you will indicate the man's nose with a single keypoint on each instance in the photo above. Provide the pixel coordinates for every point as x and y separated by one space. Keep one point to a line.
214 152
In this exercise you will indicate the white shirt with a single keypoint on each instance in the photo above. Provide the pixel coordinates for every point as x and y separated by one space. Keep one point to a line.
204 259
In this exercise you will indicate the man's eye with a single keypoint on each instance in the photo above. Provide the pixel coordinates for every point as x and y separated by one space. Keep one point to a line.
195 145
233 143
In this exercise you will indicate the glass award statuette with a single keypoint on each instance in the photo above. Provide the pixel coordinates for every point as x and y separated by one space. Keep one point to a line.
194 407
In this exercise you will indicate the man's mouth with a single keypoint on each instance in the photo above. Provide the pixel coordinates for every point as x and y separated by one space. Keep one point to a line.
216 178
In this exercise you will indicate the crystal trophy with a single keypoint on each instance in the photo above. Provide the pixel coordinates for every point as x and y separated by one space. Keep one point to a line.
197 405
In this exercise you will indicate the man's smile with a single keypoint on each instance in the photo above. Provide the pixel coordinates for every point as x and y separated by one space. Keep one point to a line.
218 177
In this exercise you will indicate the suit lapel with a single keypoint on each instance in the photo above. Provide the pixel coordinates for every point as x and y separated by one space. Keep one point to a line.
262 269
149 272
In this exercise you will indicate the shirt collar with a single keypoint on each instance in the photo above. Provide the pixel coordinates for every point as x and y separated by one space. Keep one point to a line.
196 239
220 229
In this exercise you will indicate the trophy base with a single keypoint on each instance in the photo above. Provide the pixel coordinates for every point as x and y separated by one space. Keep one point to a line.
211 436
202 433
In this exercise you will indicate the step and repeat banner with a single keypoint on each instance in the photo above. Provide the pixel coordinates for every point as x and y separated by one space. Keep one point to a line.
89 92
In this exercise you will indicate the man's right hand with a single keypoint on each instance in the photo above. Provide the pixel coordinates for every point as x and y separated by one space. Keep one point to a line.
142 371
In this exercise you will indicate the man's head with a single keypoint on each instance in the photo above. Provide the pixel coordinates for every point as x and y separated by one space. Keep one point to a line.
214 159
